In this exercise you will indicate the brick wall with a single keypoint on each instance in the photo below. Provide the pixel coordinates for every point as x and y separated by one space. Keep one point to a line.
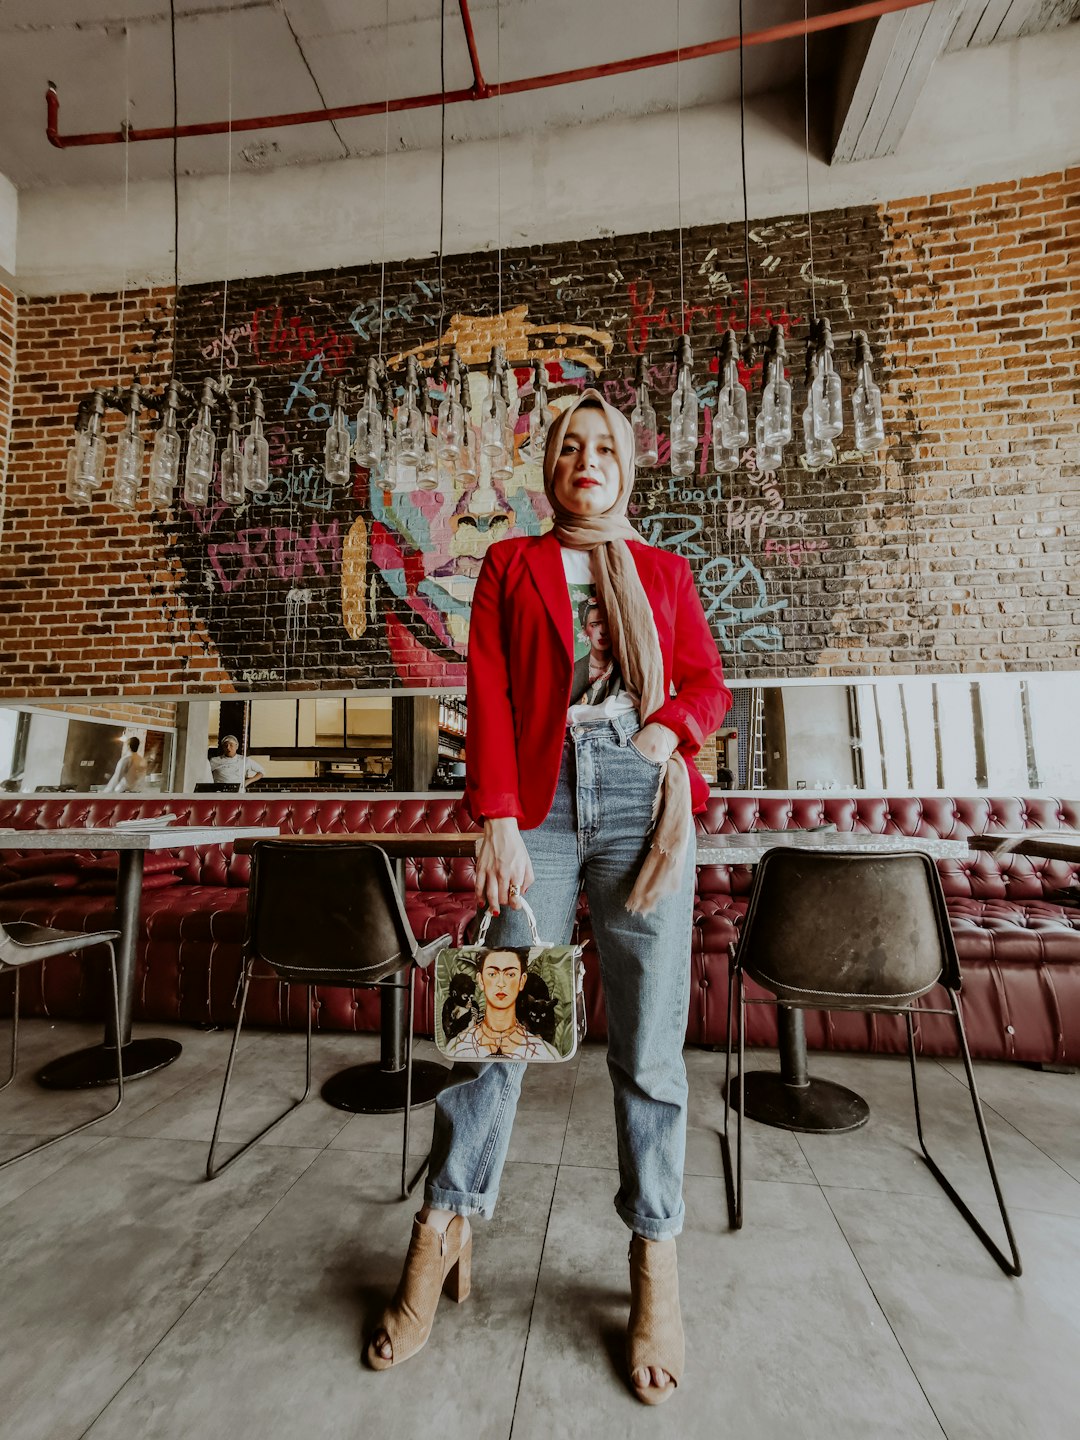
950 551
153 715
986 395
7 384
89 601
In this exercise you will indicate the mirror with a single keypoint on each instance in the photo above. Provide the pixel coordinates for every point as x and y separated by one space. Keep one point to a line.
1006 734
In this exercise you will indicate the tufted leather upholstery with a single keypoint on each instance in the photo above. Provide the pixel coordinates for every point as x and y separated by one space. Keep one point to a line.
1019 946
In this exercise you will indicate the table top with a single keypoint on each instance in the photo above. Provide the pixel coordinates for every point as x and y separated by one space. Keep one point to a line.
1049 844
734 849
449 844
731 849
126 837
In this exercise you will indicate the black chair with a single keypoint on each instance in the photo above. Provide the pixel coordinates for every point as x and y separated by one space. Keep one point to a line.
24 944
326 915
847 930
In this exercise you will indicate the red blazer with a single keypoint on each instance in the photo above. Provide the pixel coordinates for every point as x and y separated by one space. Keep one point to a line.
521 647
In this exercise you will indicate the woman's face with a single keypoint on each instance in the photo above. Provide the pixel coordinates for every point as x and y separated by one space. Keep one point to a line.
502 979
586 477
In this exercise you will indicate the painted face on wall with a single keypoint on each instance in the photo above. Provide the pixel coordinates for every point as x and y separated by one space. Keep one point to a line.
420 561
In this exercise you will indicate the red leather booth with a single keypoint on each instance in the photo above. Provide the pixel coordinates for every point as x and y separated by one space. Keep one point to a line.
1016 925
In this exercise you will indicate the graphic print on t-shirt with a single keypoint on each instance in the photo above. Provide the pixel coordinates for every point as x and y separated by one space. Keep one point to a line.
596 673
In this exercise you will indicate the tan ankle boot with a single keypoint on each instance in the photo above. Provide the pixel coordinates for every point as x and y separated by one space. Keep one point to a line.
437 1260
654 1333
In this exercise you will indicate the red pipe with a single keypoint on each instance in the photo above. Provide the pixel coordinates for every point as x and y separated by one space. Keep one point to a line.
480 86
480 89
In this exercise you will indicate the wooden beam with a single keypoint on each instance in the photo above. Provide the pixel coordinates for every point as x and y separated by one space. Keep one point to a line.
885 71
984 22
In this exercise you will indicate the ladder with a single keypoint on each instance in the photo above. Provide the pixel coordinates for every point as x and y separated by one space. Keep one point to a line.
755 750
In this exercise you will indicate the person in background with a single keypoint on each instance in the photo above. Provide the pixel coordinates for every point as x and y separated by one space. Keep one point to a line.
595 789
130 769
231 768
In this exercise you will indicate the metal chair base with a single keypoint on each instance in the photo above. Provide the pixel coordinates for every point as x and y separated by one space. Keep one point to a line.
370 1090
211 1169
820 1107
403 1078
96 1065
117 1076
735 1098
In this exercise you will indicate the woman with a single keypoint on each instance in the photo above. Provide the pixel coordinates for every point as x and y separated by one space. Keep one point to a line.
599 792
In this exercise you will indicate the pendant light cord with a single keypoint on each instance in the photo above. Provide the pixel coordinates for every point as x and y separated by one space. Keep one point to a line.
127 152
806 127
228 204
386 165
442 166
678 159
498 166
176 186
742 154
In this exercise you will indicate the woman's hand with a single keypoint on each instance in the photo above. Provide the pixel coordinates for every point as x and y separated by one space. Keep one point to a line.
656 742
501 862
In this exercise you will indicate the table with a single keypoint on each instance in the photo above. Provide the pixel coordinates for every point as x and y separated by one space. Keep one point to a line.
1049 844
378 1087
792 1100
96 1065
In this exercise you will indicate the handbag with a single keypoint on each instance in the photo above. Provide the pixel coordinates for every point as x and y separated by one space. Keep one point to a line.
524 1003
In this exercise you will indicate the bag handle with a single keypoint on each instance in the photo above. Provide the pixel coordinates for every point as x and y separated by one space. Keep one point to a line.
481 935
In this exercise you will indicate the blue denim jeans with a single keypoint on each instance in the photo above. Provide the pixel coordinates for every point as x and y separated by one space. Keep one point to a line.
596 833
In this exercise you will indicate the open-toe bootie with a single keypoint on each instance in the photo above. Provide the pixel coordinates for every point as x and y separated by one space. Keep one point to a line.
437 1260
654 1333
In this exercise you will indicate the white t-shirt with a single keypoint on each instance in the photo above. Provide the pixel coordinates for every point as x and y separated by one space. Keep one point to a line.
597 691
232 769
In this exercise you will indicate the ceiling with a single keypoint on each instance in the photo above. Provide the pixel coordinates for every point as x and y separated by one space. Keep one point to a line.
274 56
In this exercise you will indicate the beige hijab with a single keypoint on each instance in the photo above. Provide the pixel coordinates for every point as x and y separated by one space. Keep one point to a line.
634 641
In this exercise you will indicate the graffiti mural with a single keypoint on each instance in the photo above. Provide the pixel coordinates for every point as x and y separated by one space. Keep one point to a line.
371 582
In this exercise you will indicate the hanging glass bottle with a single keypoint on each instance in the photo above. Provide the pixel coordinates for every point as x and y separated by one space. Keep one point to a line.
427 467
232 462
775 392
826 393
684 413
409 426
256 449
199 466
81 472
816 451
731 411
130 453
502 465
866 401
725 458
643 419
769 455
165 455
450 421
90 449
493 427
337 448
370 444
541 415
468 463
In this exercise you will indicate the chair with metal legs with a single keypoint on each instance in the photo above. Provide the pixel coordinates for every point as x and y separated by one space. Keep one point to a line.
848 930
325 915
21 944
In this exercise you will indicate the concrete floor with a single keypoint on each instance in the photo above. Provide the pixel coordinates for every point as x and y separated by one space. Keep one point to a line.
139 1300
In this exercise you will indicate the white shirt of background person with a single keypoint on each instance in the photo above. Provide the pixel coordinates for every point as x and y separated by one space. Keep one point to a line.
231 768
